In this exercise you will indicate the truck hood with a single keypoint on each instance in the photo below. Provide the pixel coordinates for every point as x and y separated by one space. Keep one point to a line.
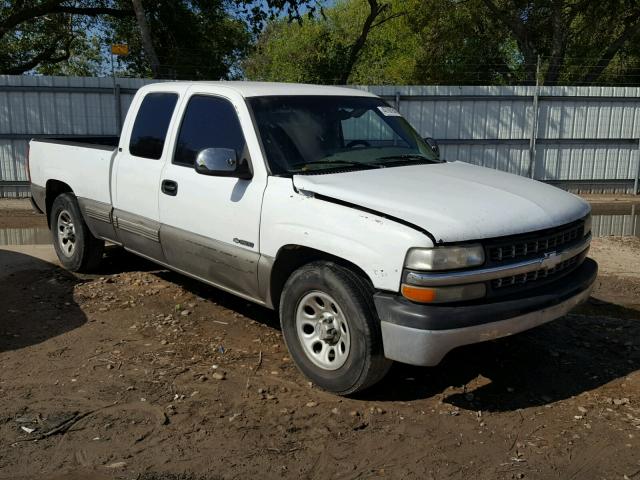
453 201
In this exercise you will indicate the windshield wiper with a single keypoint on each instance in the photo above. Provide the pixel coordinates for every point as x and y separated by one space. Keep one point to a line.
405 158
338 163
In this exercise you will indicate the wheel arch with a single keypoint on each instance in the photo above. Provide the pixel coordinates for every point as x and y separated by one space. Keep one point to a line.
53 189
291 257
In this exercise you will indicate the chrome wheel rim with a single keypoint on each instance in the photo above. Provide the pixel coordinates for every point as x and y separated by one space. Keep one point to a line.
323 330
66 234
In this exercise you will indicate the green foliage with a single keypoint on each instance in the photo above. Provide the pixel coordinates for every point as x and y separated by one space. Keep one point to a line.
24 47
429 42
432 41
601 37
194 39
316 50
292 52
85 59
354 41
577 41
460 42
36 35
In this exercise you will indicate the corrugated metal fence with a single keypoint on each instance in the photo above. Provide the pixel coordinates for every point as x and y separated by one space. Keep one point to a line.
61 106
616 218
585 138
618 225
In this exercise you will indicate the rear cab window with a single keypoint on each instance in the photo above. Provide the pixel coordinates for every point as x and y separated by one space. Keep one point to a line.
151 125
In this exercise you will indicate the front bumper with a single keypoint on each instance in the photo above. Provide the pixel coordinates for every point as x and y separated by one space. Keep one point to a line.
423 334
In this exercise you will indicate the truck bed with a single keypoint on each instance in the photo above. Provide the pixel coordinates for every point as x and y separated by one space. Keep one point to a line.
102 142
82 163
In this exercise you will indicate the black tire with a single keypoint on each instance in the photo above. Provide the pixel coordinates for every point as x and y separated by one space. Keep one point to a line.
365 363
84 253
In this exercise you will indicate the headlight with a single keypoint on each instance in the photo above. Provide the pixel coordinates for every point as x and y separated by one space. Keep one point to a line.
588 221
444 258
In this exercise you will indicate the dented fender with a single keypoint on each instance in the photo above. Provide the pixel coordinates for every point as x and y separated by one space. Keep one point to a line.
376 244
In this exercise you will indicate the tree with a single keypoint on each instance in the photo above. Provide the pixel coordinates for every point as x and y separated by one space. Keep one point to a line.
577 40
145 37
85 60
194 39
415 43
377 15
36 33
352 42
460 42
608 32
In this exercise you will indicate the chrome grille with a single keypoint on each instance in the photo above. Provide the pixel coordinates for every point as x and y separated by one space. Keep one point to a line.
531 245
536 275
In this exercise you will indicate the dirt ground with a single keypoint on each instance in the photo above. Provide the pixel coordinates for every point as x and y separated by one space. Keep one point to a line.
19 214
140 373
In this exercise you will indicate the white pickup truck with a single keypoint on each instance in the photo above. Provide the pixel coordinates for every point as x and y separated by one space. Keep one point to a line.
324 204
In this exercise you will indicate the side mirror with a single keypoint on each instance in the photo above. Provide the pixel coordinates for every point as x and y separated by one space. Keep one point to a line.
433 145
222 162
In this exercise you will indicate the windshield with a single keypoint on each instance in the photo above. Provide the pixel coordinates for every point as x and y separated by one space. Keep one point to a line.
307 134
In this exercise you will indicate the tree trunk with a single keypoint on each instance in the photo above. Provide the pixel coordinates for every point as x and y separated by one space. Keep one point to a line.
632 30
521 33
145 34
558 44
375 10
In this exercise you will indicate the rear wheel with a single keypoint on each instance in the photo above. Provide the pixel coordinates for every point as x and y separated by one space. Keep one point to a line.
77 249
331 328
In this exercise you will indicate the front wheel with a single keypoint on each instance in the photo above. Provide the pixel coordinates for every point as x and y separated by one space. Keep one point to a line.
331 328
77 249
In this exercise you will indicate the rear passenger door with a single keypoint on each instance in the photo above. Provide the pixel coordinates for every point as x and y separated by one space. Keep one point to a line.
211 224
139 163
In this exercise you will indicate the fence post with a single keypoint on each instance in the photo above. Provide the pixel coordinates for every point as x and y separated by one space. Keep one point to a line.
636 191
534 125
118 105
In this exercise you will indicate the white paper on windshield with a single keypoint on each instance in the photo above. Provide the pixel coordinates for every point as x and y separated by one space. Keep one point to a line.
389 112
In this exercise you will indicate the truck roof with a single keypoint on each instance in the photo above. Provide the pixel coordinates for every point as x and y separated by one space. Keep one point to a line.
263 89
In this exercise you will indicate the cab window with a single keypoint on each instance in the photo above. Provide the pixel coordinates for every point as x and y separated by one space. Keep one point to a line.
151 125
208 122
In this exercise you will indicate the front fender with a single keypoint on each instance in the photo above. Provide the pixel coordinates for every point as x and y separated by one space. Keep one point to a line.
375 244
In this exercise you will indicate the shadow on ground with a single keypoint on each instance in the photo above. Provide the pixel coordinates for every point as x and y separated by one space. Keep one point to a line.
118 260
37 301
564 358
224 299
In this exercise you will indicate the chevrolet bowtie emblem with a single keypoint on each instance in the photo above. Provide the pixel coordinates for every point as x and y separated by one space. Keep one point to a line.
550 260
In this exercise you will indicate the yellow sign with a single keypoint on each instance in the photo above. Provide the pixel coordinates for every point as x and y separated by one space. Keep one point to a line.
120 49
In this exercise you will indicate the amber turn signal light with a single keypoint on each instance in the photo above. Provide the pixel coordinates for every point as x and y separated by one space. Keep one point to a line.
418 294
459 293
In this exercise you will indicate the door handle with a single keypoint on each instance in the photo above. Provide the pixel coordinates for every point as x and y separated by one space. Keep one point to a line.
169 187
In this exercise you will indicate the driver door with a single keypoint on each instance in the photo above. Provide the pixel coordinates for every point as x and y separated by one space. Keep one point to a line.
210 224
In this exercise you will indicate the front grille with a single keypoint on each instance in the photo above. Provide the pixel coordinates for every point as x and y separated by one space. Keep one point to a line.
535 276
534 244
